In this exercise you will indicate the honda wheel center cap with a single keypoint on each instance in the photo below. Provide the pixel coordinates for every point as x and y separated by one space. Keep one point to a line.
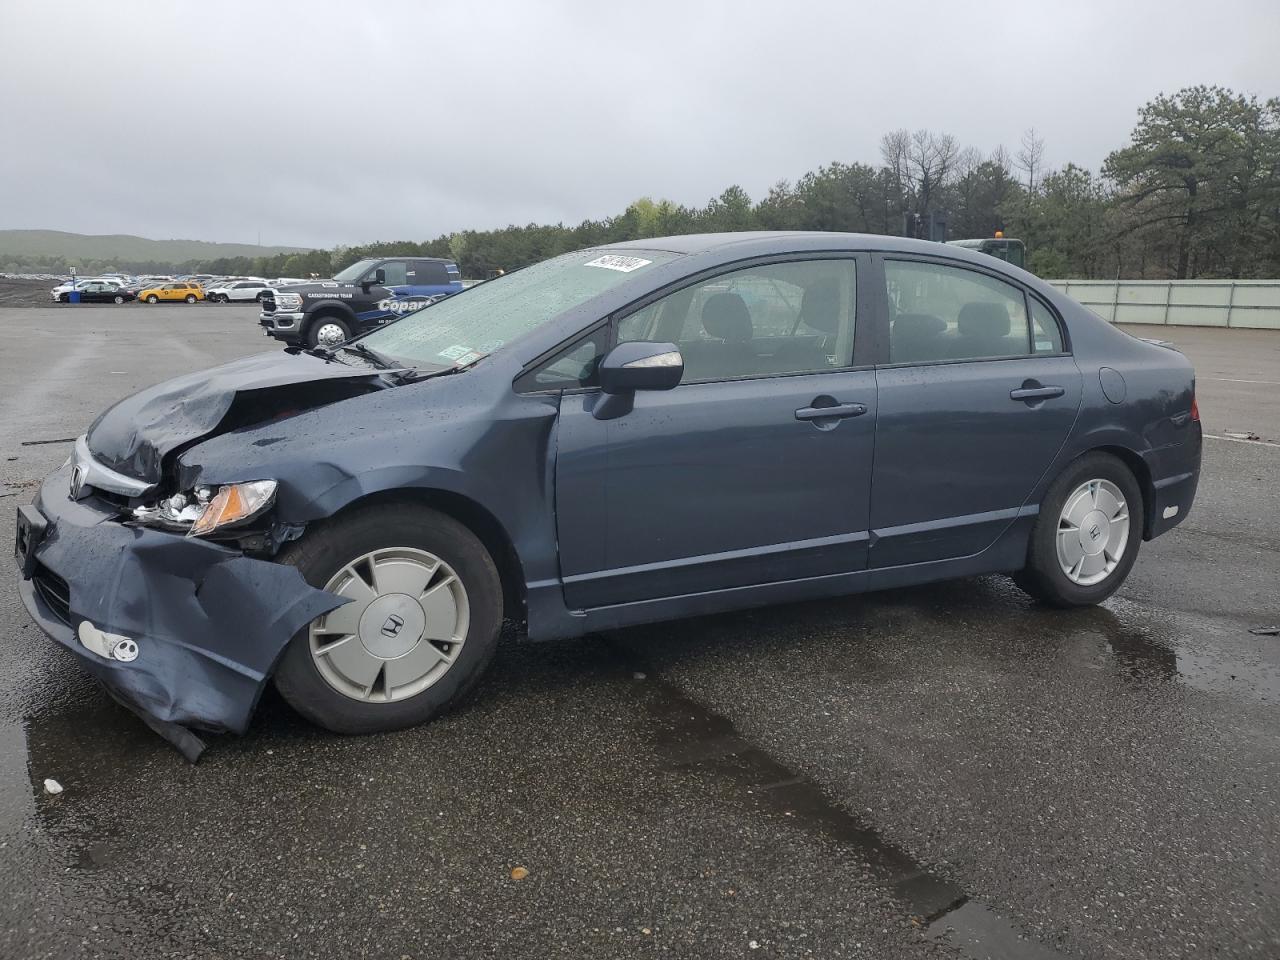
392 625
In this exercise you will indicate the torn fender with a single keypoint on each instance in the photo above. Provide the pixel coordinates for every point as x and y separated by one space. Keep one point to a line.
209 622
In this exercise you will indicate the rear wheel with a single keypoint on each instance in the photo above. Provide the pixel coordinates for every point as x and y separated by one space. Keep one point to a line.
420 627
191 298
1086 538
328 331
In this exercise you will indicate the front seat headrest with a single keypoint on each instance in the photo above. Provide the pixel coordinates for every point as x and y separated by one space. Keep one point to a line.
820 305
725 316
984 319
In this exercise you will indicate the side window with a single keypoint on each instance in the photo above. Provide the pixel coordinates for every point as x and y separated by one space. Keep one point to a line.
951 313
772 319
1046 335
397 272
576 365
428 273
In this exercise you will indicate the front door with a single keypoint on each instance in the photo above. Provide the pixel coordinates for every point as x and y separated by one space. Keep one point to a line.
755 469
979 396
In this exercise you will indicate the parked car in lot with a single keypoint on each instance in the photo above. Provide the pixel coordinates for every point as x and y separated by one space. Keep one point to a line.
176 291
620 435
362 297
61 293
99 291
238 290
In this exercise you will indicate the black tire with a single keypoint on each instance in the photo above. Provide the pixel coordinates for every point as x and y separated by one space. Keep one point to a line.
153 299
1043 577
191 298
119 299
64 298
313 330
328 547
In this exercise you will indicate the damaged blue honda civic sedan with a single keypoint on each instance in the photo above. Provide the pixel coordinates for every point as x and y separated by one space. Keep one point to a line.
621 435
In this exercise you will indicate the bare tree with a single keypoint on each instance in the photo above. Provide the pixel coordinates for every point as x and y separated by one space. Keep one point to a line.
1000 157
922 162
1030 157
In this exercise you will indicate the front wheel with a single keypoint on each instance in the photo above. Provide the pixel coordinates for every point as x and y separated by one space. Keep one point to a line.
328 332
118 298
153 299
1086 537
64 298
420 627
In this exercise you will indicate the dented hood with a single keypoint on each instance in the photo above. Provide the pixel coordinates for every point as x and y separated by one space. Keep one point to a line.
134 436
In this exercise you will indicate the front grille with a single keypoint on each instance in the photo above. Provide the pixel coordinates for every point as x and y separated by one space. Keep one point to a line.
53 590
269 303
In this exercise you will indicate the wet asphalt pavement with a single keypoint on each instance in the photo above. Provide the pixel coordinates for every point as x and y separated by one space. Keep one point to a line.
941 771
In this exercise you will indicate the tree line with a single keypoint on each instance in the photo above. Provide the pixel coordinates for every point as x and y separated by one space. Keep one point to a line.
1195 193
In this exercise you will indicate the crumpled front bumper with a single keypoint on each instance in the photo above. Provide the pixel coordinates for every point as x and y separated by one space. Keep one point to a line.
209 623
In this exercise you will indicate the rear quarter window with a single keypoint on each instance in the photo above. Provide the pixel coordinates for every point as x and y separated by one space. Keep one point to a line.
1046 334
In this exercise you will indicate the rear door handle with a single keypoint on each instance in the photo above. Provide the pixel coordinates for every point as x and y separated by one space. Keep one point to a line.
839 412
1036 393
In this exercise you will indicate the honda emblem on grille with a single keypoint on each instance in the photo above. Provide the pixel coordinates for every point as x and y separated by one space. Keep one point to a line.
392 627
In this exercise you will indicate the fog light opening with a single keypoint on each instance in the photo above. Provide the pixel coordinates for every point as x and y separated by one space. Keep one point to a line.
109 646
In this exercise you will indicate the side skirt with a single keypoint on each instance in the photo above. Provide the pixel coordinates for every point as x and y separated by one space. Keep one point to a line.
1007 554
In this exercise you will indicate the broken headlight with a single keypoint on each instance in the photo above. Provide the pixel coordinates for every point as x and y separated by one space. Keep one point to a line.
206 509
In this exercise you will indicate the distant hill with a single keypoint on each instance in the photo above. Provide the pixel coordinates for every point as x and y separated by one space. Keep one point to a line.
22 244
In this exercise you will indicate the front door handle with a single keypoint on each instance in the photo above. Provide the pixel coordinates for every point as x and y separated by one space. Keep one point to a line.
1036 393
838 411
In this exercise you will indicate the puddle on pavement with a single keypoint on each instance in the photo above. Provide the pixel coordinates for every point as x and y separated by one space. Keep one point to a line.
83 746
690 737
1217 657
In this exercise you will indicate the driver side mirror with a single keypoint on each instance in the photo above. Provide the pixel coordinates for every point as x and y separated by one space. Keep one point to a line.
378 277
635 365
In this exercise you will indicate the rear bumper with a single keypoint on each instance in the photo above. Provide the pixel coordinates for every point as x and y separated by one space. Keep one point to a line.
1175 474
208 622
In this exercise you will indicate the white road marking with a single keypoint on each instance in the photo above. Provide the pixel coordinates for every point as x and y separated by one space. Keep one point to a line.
1256 443
1272 383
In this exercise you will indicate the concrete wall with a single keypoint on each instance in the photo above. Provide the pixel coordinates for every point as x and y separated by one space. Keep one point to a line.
1199 303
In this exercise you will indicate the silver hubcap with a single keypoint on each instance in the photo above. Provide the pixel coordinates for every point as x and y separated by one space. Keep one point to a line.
330 334
401 632
1093 532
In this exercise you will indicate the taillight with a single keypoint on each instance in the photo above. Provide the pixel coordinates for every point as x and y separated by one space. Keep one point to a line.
1195 409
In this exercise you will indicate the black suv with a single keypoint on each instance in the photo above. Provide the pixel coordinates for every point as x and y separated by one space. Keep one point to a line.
363 296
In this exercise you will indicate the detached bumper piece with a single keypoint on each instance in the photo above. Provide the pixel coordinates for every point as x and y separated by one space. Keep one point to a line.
182 631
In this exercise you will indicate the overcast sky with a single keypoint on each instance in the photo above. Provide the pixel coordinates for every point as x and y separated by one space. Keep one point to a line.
318 123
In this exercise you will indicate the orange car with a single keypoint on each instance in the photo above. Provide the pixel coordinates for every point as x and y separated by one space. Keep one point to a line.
190 292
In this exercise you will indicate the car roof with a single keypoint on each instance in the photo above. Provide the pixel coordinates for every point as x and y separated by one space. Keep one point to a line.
706 242
724 247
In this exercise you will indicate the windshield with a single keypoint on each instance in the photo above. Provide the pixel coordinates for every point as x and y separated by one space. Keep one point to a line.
466 326
354 272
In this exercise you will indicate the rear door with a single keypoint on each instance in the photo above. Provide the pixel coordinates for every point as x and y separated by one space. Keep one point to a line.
755 469
979 395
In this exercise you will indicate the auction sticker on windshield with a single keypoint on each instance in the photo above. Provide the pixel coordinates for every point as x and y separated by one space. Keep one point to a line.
614 262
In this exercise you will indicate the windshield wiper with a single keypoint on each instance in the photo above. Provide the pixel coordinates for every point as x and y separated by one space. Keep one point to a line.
369 353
